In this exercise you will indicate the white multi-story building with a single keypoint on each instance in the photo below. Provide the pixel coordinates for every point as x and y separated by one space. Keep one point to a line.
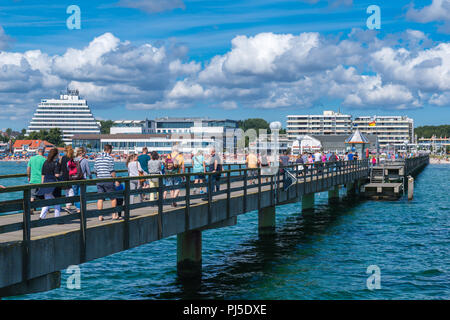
134 143
132 127
329 122
391 130
69 113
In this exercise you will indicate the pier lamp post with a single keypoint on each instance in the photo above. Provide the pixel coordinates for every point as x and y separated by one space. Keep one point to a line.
275 127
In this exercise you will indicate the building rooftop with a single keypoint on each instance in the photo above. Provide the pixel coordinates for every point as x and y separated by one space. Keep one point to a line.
32 144
131 136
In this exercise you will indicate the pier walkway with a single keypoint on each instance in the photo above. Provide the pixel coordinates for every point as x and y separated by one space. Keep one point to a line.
33 252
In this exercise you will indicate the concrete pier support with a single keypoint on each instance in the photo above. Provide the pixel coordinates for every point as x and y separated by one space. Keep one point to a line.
351 188
266 221
308 202
189 254
410 188
333 195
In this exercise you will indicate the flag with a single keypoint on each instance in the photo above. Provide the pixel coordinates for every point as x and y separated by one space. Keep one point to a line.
372 124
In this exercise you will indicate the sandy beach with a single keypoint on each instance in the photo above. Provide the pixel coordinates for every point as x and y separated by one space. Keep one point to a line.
439 161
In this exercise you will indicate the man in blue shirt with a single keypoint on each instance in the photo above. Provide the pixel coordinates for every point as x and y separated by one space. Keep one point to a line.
350 156
143 160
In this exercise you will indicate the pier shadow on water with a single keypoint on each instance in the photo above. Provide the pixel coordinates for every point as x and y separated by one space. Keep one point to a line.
231 276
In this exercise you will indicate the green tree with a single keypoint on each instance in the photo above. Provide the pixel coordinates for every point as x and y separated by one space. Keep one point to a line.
254 123
105 126
55 136
429 131
22 134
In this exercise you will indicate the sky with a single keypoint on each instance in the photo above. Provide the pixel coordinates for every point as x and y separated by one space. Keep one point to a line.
137 59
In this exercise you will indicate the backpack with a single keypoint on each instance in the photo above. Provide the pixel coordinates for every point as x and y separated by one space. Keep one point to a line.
175 160
75 172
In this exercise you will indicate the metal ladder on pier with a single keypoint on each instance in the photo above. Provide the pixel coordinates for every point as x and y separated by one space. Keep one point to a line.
377 175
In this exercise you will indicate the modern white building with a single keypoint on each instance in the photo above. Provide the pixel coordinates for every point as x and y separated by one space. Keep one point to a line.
329 122
391 130
133 143
70 113
132 127
190 125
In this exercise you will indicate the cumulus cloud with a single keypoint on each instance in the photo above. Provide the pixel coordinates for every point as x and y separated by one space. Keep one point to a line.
272 70
153 6
437 11
263 71
109 72
5 40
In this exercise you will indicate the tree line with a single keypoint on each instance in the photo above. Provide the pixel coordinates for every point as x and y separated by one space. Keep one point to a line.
429 131
54 136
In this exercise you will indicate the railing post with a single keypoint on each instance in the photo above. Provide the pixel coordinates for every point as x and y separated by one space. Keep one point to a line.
259 188
323 174
245 191
228 194
83 223
26 234
278 186
296 184
272 195
188 204
305 172
209 197
160 206
126 216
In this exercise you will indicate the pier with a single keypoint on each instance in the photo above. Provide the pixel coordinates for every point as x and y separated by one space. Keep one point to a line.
390 180
33 252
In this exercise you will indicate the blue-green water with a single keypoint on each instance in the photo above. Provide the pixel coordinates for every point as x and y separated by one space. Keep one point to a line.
320 255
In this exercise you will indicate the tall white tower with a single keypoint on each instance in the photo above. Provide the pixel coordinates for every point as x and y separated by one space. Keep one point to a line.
69 113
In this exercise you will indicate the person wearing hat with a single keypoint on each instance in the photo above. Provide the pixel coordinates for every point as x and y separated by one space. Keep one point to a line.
34 170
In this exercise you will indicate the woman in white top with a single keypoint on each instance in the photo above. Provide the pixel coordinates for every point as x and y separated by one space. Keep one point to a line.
134 168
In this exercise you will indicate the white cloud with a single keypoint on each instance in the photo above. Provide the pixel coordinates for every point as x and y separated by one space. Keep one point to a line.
183 89
440 99
437 11
264 71
5 40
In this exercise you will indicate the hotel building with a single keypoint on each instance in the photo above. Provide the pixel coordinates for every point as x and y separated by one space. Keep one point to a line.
133 143
190 125
434 143
328 123
69 113
391 130
133 127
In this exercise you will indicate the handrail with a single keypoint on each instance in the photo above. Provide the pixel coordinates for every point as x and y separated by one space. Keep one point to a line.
122 179
13 205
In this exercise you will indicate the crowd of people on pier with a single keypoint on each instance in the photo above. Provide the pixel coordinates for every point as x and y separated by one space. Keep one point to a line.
73 165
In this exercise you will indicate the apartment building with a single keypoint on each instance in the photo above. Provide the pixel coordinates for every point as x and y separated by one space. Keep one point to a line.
391 130
329 122
70 113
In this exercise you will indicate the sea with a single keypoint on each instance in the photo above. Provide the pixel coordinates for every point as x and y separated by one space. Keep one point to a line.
356 249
